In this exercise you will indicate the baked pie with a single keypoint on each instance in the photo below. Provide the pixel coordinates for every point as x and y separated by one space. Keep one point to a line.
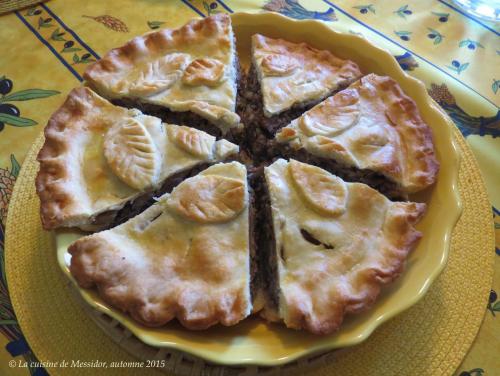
331 245
189 233
184 76
102 163
370 130
185 257
284 80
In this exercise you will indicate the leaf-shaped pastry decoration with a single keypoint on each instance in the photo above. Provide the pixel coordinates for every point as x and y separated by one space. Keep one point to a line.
158 75
324 192
333 116
331 148
131 154
208 199
278 65
204 71
223 117
193 141
224 149
286 134
375 136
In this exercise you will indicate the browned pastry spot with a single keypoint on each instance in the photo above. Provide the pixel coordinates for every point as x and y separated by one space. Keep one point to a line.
203 72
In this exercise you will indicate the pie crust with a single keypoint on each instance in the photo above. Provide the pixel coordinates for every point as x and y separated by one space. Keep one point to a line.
193 68
372 125
296 73
333 263
97 157
167 263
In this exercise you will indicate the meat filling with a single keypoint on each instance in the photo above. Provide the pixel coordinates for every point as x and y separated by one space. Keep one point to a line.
267 262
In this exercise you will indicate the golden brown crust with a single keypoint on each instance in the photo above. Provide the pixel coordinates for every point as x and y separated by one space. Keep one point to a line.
400 239
278 65
209 199
402 111
158 266
132 154
332 266
191 140
293 74
332 119
370 125
58 201
97 263
157 43
192 68
98 156
325 192
203 71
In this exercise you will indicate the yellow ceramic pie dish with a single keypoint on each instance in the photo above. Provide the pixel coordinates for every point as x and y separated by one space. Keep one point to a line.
255 342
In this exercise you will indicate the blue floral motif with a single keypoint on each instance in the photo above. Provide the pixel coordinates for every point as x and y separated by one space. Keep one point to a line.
406 61
495 86
457 66
404 35
211 7
472 372
493 305
292 8
496 215
403 11
470 44
363 9
442 17
468 125
435 35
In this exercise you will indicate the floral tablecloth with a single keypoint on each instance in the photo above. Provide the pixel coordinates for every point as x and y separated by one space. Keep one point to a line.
46 48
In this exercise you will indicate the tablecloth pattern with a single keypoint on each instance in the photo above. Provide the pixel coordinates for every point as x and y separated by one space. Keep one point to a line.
46 48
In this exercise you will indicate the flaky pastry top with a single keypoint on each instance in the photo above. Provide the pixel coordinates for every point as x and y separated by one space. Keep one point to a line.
370 125
170 263
331 263
293 74
192 68
97 156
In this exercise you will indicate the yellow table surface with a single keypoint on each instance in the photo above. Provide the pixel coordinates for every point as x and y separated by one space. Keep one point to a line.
46 48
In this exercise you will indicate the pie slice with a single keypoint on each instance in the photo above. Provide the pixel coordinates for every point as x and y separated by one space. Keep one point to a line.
185 257
285 79
371 130
102 163
331 245
184 76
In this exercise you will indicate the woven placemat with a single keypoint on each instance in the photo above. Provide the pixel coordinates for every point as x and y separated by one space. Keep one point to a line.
431 338
12 5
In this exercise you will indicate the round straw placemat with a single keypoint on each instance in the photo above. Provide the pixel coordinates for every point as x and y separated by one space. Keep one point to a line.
430 338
